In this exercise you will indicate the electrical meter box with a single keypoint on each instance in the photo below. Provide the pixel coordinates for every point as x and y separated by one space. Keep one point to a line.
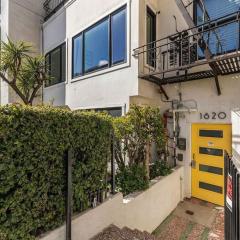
181 143
180 157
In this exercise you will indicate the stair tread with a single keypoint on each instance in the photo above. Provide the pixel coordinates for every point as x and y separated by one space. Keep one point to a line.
113 232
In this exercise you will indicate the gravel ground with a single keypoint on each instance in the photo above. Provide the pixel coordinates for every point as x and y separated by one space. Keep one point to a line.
180 228
217 231
173 229
196 232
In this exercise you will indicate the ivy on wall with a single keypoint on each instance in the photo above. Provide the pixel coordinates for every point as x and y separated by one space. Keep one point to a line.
33 142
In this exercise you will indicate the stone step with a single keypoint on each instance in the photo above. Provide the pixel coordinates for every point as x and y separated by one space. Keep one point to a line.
112 232
137 235
115 233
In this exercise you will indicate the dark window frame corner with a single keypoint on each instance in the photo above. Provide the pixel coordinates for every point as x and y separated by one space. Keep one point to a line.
48 55
150 12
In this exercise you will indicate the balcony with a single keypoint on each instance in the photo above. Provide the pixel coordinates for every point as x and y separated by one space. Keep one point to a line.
52 6
204 51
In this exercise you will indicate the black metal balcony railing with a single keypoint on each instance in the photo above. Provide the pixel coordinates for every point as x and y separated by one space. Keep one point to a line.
52 6
179 57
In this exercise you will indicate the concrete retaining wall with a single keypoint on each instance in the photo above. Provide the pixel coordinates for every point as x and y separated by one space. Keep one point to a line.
148 209
143 211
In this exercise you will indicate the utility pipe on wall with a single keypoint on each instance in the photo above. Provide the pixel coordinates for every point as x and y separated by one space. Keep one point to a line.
175 111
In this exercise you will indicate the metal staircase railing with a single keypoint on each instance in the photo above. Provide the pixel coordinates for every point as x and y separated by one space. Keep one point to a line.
204 45
178 57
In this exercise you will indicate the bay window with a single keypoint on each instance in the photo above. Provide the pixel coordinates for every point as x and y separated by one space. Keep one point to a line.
119 46
96 47
102 45
77 56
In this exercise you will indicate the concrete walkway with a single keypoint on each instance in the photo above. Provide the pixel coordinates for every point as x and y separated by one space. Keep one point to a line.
193 220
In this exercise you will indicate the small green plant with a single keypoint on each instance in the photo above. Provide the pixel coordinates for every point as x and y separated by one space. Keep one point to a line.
159 168
131 179
135 132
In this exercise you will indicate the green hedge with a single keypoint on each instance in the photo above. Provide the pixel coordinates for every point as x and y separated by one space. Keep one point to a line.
32 167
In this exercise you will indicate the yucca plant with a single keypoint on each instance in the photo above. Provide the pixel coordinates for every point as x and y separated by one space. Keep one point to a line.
22 70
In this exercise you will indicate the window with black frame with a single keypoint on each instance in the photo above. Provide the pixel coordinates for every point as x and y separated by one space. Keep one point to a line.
114 111
102 45
151 38
222 39
96 47
77 56
56 65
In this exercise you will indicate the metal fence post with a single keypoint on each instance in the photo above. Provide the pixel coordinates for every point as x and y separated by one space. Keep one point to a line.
238 205
69 196
232 212
113 183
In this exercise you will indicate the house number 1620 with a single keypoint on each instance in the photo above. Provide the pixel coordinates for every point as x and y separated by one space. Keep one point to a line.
213 115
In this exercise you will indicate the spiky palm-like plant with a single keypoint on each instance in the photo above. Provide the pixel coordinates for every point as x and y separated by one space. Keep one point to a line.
24 72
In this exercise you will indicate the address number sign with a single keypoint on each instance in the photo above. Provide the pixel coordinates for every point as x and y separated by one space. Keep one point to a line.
213 115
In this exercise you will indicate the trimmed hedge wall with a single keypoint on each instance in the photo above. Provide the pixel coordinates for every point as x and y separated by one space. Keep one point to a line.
33 141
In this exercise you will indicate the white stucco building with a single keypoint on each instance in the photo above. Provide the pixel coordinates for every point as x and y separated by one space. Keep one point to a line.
98 55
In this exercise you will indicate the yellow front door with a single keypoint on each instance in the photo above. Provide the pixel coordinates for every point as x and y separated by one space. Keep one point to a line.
209 141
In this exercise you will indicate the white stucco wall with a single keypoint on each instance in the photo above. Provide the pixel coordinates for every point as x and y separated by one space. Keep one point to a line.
55 95
106 88
144 211
92 222
147 210
54 34
54 31
111 87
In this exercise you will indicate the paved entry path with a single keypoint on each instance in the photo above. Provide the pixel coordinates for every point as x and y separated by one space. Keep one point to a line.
193 220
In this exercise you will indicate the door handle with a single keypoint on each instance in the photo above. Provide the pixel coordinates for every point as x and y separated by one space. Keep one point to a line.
193 162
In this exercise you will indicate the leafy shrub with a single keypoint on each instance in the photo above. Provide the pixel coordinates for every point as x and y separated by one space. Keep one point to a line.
159 168
135 132
131 179
33 142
